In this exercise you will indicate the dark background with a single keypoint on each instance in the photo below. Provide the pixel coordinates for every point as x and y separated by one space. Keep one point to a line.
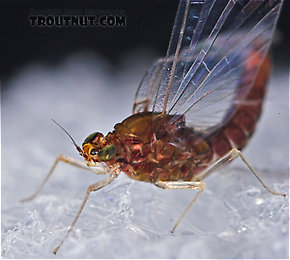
149 24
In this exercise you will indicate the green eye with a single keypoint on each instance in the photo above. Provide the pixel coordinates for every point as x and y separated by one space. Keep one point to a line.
107 153
93 138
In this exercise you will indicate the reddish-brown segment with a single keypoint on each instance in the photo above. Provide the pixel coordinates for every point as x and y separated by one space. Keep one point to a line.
151 148
238 130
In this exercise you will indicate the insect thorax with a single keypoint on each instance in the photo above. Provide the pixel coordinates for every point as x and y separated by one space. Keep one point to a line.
150 148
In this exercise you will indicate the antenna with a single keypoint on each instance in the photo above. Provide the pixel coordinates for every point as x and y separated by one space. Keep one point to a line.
77 147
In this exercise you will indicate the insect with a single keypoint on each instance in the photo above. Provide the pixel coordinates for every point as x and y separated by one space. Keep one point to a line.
196 108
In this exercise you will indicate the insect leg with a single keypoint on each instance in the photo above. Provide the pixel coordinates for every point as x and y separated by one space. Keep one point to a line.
69 160
258 176
97 186
229 157
185 185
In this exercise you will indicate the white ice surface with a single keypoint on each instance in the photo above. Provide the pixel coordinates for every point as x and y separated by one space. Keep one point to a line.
234 218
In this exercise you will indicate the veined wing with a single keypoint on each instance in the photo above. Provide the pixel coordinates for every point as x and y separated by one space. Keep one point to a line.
150 95
210 46
148 88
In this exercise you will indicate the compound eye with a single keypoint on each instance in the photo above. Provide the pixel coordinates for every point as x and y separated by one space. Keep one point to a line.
107 153
93 152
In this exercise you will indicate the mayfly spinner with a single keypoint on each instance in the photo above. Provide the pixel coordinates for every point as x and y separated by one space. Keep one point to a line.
195 109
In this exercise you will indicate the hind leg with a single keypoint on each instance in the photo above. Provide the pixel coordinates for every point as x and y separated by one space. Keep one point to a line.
229 157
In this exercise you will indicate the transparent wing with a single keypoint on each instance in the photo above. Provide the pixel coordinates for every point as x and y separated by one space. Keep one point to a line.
211 45
150 95
148 88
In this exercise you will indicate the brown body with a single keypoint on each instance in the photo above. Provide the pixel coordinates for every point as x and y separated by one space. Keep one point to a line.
150 148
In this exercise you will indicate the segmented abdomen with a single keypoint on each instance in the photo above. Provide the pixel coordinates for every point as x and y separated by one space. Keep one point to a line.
237 132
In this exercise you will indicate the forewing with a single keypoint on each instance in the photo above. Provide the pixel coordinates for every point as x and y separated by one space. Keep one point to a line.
242 32
153 87
211 44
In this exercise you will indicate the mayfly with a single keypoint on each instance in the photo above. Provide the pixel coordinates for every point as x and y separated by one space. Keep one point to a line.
196 108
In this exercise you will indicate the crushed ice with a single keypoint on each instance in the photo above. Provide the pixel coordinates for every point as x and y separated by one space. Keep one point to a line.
234 218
